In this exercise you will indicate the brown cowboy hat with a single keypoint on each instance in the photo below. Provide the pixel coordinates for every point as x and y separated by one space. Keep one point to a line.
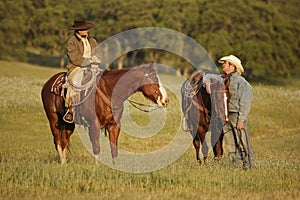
81 24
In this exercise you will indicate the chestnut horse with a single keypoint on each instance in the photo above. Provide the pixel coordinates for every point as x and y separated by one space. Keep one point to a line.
104 107
204 112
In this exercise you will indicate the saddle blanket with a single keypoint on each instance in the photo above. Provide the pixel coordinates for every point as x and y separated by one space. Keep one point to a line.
58 83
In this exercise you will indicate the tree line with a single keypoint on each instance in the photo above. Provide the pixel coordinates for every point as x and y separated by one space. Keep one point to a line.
263 33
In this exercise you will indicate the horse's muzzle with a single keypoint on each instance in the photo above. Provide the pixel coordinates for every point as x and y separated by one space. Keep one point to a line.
162 102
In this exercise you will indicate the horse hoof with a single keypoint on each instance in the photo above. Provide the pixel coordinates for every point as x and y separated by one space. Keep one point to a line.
114 160
199 162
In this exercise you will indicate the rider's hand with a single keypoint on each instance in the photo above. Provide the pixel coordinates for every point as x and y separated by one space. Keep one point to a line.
240 126
95 59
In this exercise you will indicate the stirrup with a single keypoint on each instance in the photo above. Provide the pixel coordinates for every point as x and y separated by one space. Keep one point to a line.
68 117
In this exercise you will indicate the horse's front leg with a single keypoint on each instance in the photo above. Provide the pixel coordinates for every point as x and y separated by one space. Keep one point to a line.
114 131
94 133
196 143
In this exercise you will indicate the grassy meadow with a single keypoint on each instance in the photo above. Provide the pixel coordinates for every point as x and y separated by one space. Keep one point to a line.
29 167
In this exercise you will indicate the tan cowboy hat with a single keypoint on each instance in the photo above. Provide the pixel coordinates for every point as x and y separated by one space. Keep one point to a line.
81 24
234 60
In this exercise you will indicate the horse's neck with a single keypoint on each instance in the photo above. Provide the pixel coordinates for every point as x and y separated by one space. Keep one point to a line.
124 89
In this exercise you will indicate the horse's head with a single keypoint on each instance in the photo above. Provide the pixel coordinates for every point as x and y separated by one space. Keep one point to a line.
218 99
152 88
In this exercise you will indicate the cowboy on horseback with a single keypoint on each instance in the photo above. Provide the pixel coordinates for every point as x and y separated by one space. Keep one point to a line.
81 53
235 129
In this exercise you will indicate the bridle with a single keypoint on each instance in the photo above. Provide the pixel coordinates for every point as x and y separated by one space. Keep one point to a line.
136 104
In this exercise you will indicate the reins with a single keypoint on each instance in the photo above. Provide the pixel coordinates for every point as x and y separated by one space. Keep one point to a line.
136 104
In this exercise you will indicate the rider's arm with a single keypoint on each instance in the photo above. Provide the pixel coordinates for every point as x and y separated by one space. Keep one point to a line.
75 52
208 77
207 80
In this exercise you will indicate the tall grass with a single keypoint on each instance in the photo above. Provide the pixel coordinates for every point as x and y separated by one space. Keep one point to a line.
29 167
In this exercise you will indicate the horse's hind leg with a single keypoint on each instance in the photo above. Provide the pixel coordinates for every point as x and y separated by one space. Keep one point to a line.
61 138
66 134
198 142
57 139
62 154
204 150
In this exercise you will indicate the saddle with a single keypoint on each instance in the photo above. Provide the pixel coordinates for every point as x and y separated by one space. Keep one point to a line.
62 83
191 88
75 87
195 81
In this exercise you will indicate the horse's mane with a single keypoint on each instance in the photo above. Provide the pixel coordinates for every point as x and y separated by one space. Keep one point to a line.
121 71
197 75
114 71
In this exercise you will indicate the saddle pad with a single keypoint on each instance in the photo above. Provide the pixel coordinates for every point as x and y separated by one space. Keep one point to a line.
57 85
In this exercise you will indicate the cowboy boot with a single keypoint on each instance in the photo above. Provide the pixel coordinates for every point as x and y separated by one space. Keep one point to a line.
68 117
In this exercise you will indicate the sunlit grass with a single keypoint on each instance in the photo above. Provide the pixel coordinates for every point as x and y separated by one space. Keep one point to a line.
145 143
29 167
275 108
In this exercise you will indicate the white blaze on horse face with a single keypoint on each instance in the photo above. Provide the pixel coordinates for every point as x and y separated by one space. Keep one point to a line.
164 101
225 106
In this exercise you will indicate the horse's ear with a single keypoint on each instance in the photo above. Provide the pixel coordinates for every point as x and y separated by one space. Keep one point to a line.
152 67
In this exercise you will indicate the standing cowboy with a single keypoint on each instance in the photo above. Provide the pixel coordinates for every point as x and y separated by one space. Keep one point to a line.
80 51
235 129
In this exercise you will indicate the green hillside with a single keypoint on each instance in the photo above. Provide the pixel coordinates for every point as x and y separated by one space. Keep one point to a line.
263 33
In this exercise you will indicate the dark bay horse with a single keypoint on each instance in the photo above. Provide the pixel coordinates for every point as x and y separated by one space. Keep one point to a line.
204 112
104 107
